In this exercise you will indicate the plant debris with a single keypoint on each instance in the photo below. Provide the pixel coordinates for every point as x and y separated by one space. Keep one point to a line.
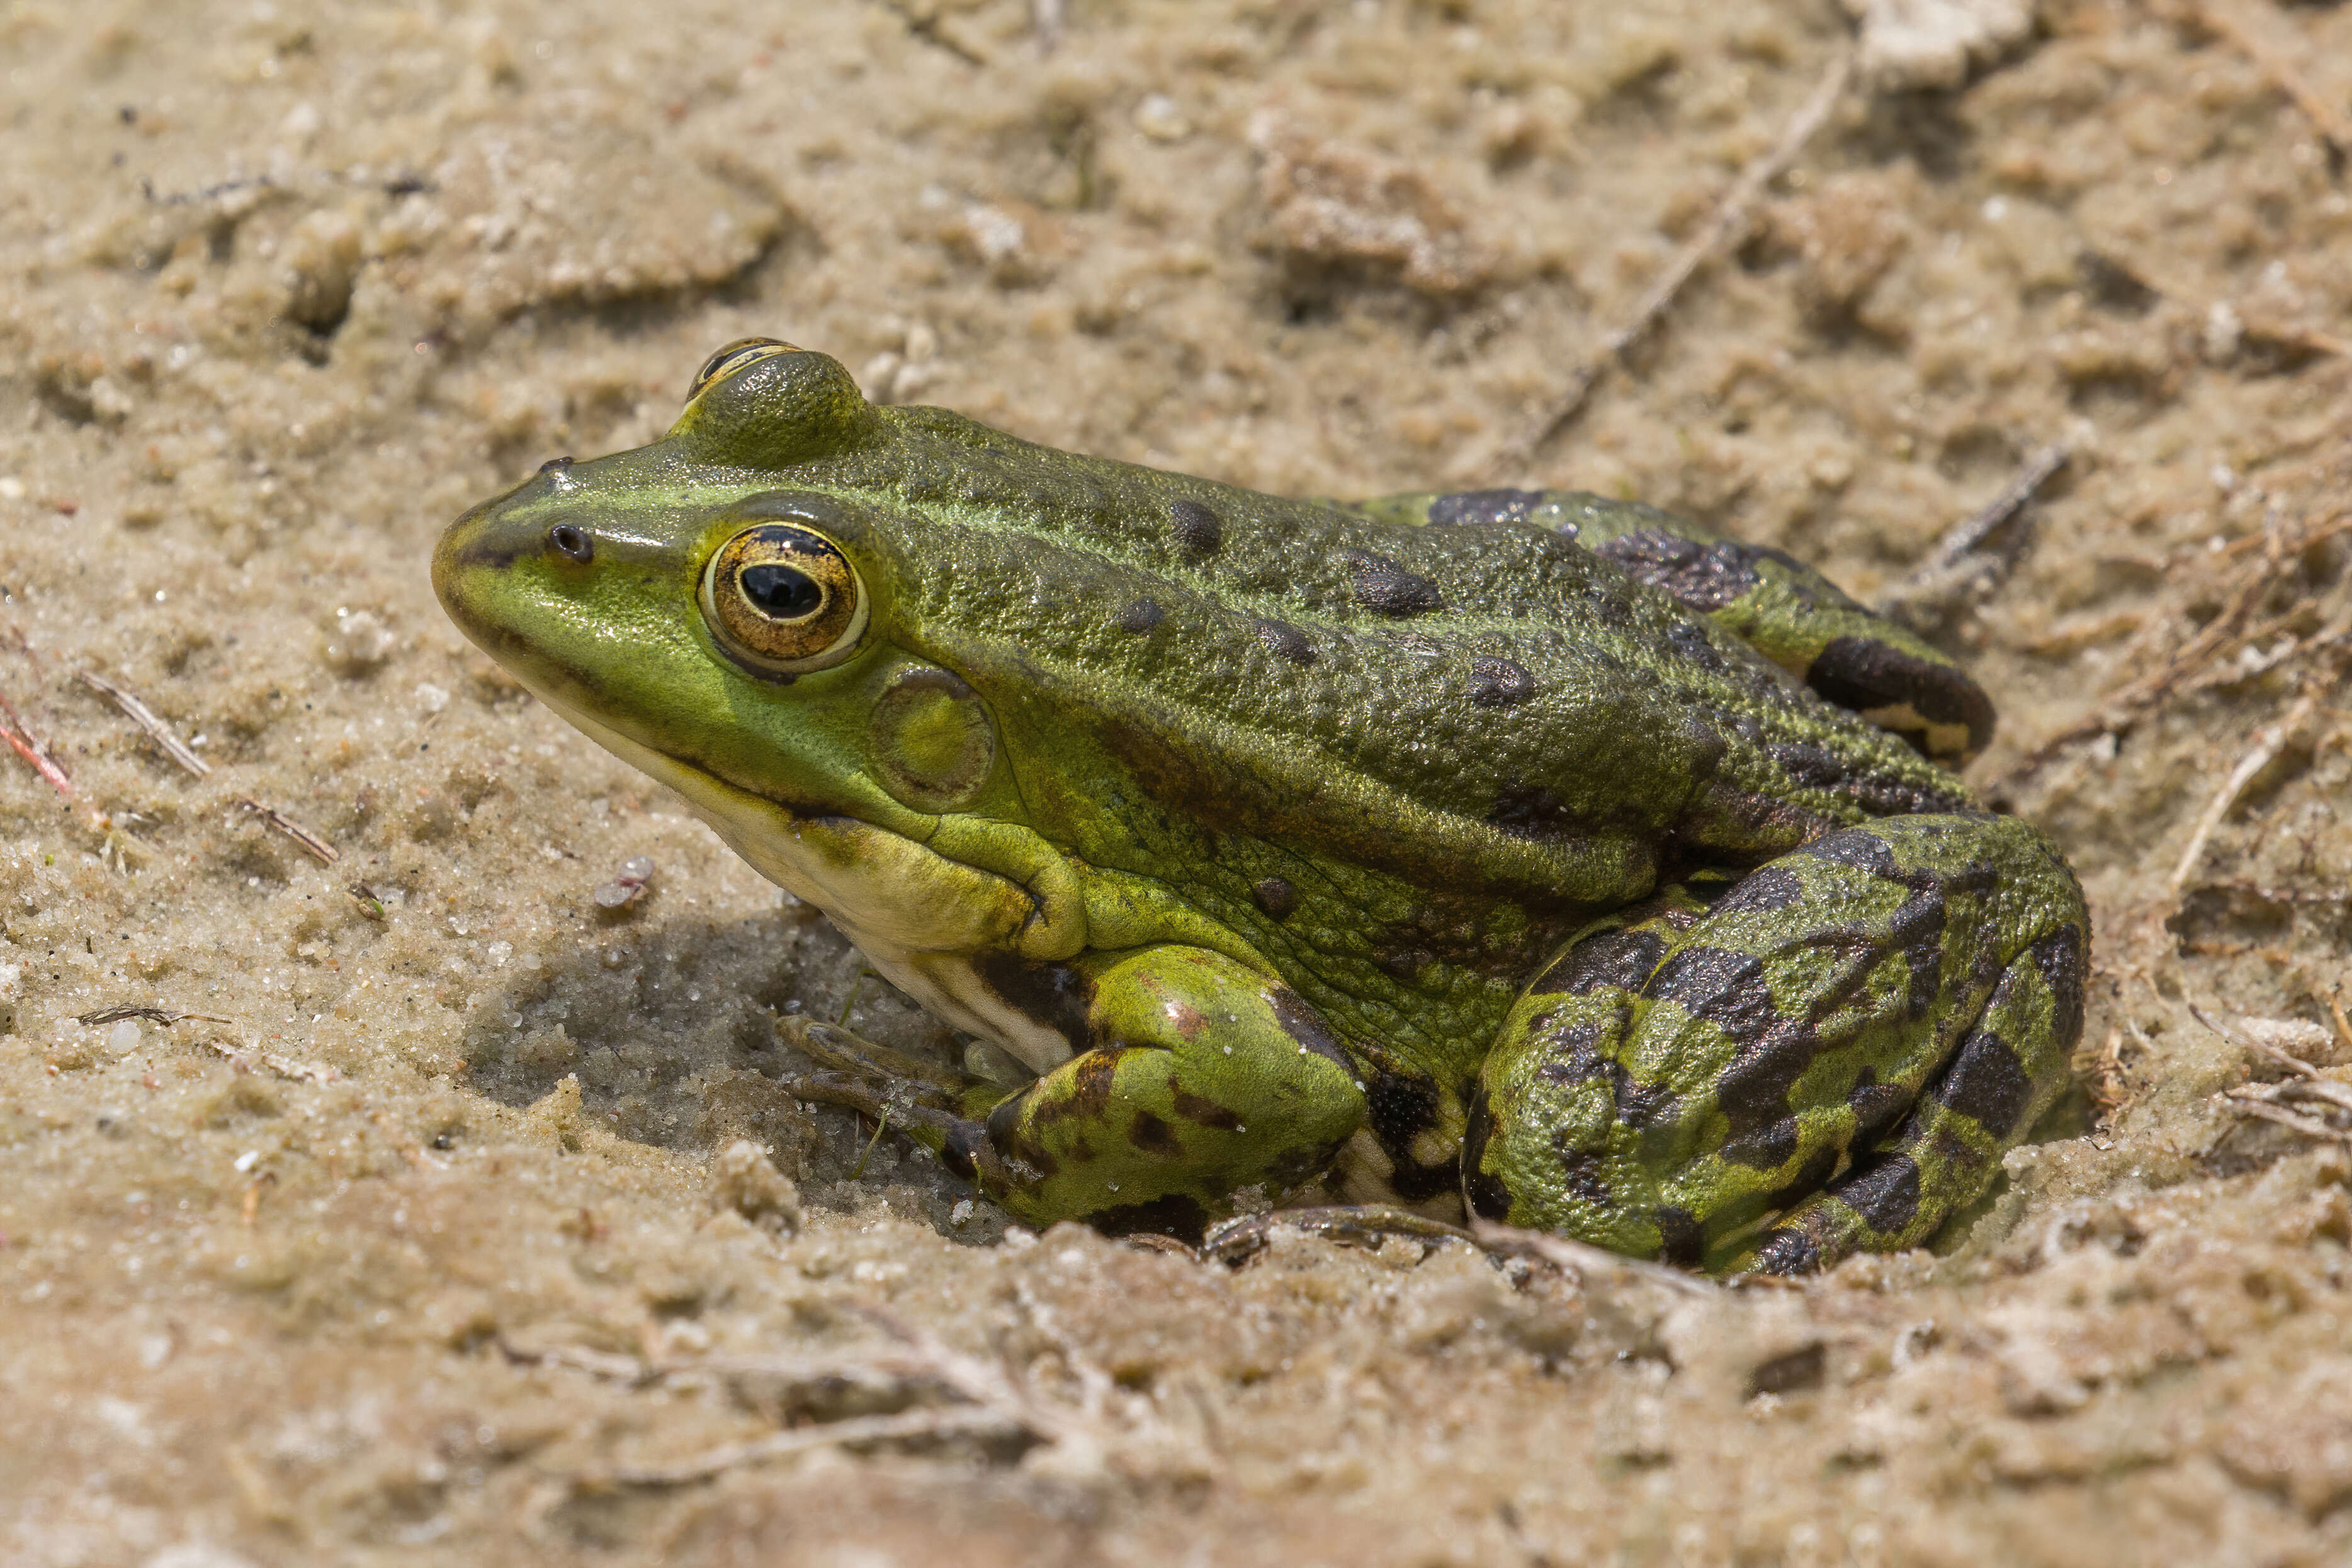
139 714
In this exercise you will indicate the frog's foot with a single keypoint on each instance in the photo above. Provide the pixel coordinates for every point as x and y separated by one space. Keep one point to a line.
914 1081
911 1107
1831 1058
1238 1239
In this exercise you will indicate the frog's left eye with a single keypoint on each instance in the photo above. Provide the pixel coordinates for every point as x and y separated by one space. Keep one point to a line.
783 600
743 351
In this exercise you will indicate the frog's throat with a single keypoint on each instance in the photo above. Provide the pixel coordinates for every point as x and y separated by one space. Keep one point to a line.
917 916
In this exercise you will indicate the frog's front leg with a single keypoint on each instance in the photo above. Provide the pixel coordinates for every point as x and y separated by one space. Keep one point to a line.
1829 1056
1206 1078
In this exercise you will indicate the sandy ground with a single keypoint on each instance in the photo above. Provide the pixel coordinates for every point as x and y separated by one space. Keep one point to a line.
434 1251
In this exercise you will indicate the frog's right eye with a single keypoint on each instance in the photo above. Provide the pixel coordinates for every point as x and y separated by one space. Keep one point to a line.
783 600
734 357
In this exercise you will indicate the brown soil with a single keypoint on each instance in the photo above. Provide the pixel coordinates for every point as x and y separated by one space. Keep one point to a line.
436 1250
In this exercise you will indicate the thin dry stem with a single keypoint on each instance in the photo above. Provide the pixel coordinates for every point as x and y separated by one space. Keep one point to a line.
956 1421
163 1016
26 745
1728 221
2269 741
2310 1127
285 1067
2037 471
2281 550
316 847
2331 122
139 714
1582 1258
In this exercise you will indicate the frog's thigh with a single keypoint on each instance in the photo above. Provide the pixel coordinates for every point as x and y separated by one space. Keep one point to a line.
1208 1079
1847 1040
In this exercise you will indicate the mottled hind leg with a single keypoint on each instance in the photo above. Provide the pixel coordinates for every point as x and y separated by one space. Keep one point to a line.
1829 1056
2005 1074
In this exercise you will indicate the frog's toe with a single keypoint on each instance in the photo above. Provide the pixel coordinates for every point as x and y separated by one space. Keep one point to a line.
913 1080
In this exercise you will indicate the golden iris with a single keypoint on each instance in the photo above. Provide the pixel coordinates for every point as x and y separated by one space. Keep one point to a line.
783 600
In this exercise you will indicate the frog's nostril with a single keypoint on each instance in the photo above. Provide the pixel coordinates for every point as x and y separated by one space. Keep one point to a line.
572 541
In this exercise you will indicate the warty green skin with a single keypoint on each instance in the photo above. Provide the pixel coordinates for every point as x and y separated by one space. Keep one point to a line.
1267 832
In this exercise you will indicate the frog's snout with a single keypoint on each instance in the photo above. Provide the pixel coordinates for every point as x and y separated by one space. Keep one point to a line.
471 565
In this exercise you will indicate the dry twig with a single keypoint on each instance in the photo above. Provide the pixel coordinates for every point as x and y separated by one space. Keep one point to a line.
1583 1260
26 745
2248 1104
954 1421
139 714
2282 549
284 1067
318 848
1965 537
1944 574
1727 222
2269 742
2335 126
2309 1084
163 1016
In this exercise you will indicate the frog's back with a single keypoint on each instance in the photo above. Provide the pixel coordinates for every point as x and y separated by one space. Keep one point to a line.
1493 706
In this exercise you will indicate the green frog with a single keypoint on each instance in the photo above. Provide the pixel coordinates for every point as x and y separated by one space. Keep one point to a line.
1520 850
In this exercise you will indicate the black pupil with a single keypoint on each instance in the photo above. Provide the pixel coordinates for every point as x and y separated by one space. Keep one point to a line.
782 592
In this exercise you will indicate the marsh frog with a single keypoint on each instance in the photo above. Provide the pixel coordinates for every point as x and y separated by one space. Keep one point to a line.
1520 850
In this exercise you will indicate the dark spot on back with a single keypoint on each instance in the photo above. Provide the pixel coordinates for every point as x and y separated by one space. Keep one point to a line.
1288 640
1198 531
1476 506
2059 956
1858 848
1581 1171
1690 640
1721 985
1141 616
1763 1149
1275 897
1499 682
1764 890
1808 1177
1384 587
1876 1108
1697 575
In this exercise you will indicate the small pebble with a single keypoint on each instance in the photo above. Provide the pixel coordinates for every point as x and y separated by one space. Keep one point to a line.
629 881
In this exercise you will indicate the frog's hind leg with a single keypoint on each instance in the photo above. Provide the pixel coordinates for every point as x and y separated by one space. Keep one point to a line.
1828 1055
1947 1150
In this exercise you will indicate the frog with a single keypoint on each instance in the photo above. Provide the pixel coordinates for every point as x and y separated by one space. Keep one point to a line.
1520 856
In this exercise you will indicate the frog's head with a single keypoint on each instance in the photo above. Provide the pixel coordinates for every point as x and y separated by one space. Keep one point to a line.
731 631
